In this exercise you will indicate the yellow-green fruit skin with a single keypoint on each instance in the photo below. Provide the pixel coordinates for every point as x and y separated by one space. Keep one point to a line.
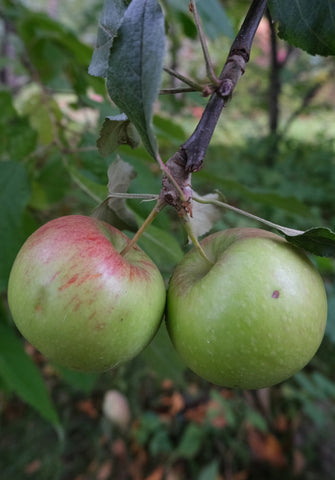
253 318
78 300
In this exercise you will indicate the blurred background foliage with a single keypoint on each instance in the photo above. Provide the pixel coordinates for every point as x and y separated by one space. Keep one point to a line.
272 154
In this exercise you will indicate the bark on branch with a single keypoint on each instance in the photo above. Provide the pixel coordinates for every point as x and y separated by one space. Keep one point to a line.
190 156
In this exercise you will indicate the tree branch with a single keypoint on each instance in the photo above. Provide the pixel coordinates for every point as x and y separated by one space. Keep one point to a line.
190 156
275 81
194 149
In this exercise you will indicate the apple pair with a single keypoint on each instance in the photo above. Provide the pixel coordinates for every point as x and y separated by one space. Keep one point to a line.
251 317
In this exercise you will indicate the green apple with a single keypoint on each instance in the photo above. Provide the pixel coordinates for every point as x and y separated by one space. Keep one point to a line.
77 300
254 316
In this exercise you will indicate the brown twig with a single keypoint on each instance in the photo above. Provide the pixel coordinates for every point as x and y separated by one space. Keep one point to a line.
194 149
190 156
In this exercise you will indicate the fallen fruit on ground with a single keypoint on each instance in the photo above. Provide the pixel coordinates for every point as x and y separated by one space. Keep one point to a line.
254 316
77 300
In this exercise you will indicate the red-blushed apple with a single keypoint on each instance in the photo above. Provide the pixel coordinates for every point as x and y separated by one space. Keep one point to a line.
254 316
77 300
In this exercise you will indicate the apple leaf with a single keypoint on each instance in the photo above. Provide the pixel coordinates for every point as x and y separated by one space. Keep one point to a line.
135 65
276 200
213 16
78 381
22 376
191 441
162 247
116 131
93 189
114 210
318 240
209 471
15 193
215 19
110 21
307 24
162 358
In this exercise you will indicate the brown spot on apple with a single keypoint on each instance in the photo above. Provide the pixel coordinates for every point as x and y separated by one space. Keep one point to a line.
275 294
99 325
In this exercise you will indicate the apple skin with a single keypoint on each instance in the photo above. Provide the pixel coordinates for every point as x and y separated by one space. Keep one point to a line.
77 300
254 318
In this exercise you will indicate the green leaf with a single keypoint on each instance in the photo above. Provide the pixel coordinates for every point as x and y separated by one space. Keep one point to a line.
110 21
43 112
162 358
135 66
256 419
213 17
54 50
50 184
210 471
167 128
93 189
116 131
83 382
319 241
114 210
17 138
230 414
191 441
307 24
22 376
160 443
162 247
324 385
216 21
288 203
14 197
330 326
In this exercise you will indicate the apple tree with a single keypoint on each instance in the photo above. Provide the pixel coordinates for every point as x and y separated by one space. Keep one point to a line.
166 175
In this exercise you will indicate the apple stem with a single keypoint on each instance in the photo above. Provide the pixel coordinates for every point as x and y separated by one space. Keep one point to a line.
195 241
152 215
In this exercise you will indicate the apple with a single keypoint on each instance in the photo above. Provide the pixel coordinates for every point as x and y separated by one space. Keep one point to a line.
78 300
254 316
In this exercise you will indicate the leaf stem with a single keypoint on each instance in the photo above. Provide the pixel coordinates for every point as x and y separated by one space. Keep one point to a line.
209 64
134 196
182 78
287 231
150 218
173 91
